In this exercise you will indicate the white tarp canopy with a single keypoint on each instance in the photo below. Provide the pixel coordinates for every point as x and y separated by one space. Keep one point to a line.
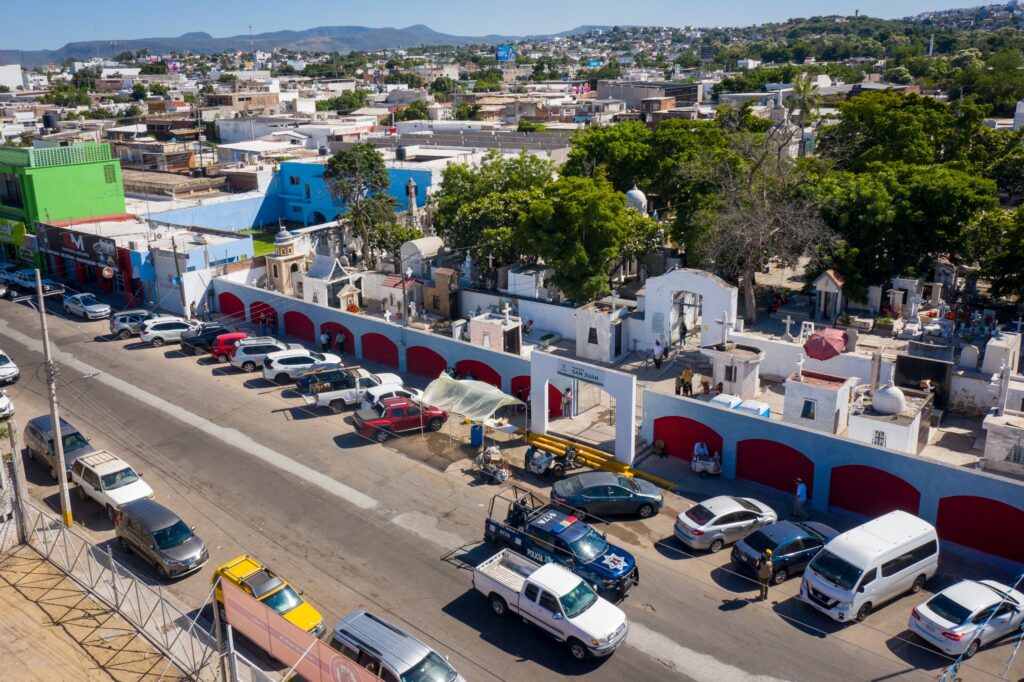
474 400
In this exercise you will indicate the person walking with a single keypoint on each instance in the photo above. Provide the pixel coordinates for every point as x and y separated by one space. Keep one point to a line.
688 382
765 571
800 500
192 310
567 403
325 342
263 324
682 334
659 350
341 342
679 383
204 311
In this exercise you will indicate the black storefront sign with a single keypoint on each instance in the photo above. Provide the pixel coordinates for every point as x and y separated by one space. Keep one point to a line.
84 248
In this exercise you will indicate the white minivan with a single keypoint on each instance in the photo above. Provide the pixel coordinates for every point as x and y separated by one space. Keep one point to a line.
871 564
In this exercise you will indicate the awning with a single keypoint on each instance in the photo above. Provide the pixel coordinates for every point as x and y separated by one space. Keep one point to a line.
474 400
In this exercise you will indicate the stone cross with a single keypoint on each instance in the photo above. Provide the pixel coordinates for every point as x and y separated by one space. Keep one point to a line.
387 316
507 309
894 296
800 367
789 323
915 304
726 324
1019 323
412 310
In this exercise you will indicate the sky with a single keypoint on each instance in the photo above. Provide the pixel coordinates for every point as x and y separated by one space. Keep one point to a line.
52 23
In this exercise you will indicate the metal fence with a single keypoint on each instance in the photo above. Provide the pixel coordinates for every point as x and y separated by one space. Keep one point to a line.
8 508
185 638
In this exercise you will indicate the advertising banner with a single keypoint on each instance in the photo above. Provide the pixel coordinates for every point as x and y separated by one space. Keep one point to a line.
12 232
84 248
506 53
287 643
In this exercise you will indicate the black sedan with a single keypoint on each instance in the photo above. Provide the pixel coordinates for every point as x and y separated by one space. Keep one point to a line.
604 492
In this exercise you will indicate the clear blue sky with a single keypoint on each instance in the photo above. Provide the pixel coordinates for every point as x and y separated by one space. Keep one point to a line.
49 24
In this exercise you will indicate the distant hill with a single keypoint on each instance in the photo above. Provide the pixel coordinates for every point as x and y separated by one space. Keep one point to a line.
321 38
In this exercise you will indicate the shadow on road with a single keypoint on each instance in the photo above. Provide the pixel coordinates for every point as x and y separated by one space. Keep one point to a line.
805 619
728 579
911 649
670 548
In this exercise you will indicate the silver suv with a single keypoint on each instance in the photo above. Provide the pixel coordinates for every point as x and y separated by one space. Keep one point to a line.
128 323
251 352
156 534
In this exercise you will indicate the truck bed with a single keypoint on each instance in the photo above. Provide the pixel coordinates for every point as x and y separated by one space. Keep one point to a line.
508 569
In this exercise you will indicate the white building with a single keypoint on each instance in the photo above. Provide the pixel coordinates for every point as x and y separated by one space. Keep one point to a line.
893 418
11 76
818 401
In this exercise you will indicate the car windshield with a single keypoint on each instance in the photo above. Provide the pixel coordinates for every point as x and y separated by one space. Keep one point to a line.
590 546
745 504
839 572
88 300
172 536
432 668
72 441
119 479
4 360
570 486
380 410
283 601
814 532
699 514
759 542
946 608
578 600
317 356
629 484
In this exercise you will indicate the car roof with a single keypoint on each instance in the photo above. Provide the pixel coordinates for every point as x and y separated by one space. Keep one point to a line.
135 311
44 424
784 531
975 595
398 401
396 648
150 515
103 462
165 318
557 579
592 478
232 336
291 352
863 543
385 388
723 504
248 340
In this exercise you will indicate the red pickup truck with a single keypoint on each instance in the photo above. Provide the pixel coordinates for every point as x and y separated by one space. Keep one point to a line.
396 415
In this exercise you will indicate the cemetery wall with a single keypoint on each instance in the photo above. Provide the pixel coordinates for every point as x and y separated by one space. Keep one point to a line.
972 393
781 358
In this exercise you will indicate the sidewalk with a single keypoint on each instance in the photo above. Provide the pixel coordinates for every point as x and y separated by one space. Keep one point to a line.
51 630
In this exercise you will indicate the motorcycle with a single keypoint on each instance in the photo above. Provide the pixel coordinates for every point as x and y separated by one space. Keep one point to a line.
492 465
547 463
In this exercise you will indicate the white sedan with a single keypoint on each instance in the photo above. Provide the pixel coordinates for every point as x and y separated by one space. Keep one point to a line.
968 615
6 406
87 306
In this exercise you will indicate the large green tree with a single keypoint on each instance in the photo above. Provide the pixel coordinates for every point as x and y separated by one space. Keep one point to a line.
1005 264
622 152
359 179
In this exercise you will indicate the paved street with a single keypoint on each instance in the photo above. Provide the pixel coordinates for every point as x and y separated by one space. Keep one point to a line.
390 528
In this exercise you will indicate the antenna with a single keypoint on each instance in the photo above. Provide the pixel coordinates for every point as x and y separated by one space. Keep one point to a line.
252 44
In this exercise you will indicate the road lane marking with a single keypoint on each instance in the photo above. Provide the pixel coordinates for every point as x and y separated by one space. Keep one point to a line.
685 661
230 437
426 527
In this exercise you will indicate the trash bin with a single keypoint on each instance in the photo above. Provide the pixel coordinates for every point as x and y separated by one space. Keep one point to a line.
476 435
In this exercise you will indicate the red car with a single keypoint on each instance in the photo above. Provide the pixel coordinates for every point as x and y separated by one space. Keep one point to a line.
223 347
396 415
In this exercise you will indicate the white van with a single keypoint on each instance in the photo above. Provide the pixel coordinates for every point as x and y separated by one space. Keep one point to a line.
871 564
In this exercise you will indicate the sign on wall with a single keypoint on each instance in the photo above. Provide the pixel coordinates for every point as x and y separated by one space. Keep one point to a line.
79 246
588 375
506 53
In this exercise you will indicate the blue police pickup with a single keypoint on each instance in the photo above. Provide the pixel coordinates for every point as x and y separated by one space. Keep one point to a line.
546 535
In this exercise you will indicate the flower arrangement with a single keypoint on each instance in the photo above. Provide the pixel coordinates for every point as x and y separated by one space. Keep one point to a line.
353 308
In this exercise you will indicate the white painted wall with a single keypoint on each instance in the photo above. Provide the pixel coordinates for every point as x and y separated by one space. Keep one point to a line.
827 404
781 356
897 436
554 318
718 298
10 75
972 393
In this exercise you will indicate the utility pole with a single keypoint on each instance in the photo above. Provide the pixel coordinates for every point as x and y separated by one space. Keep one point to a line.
181 282
20 491
51 384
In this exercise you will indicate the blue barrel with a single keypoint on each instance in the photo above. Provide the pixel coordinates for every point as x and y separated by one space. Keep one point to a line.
476 435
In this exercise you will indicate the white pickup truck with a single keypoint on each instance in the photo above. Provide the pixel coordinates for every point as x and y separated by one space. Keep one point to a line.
347 389
553 599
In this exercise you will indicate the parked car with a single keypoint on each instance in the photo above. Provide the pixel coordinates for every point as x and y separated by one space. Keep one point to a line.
25 279
156 534
260 582
7 272
87 306
127 323
6 406
968 615
38 435
348 389
304 381
793 545
251 352
200 340
397 415
604 492
283 366
372 642
551 598
721 520
223 346
109 481
9 372
165 329
377 394
871 564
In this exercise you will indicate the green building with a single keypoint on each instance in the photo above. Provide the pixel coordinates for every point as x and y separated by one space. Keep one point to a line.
54 183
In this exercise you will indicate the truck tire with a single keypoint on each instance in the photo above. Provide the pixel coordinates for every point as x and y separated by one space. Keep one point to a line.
337 405
248 366
196 350
282 379
157 342
577 650
435 424
124 334
558 471
81 493
111 513
381 435
498 605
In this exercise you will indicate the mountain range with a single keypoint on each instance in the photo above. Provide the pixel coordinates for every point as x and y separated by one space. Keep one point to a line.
321 38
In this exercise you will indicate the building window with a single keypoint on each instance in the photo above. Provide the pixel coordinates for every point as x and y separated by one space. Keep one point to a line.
109 175
487 340
436 301
592 337
730 375
808 409
296 209
293 180
878 439
1016 454
307 191
275 271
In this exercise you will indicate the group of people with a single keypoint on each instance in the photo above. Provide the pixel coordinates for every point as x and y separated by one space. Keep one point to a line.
202 313
325 341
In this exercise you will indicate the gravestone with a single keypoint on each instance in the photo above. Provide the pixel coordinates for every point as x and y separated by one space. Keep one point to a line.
969 358
934 351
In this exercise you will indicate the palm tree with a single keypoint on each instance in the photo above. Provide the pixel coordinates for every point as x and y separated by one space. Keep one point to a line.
805 99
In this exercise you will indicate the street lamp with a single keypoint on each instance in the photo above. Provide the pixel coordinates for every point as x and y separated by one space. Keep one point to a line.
406 275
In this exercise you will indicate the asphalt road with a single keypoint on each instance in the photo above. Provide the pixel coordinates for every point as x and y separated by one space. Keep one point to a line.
393 528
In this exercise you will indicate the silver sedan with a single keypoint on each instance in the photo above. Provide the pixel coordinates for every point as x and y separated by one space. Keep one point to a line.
716 522
968 615
87 306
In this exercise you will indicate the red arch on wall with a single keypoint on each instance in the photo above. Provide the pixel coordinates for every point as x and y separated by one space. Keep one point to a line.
379 348
848 484
523 383
333 328
983 524
773 464
479 370
256 308
298 325
424 362
682 433
231 305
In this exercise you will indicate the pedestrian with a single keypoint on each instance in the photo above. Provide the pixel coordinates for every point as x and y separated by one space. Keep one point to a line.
688 382
325 342
192 310
659 350
682 333
679 383
765 571
567 403
800 500
263 324
341 342
204 311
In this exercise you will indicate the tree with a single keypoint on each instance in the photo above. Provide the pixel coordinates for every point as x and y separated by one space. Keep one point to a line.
153 68
804 102
126 57
899 74
404 77
580 229
138 92
158 90
388 233
1003 264
227 78
444 86
353 176
85 79
467 112
623 151
417 111
525 126
4 88
345 103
